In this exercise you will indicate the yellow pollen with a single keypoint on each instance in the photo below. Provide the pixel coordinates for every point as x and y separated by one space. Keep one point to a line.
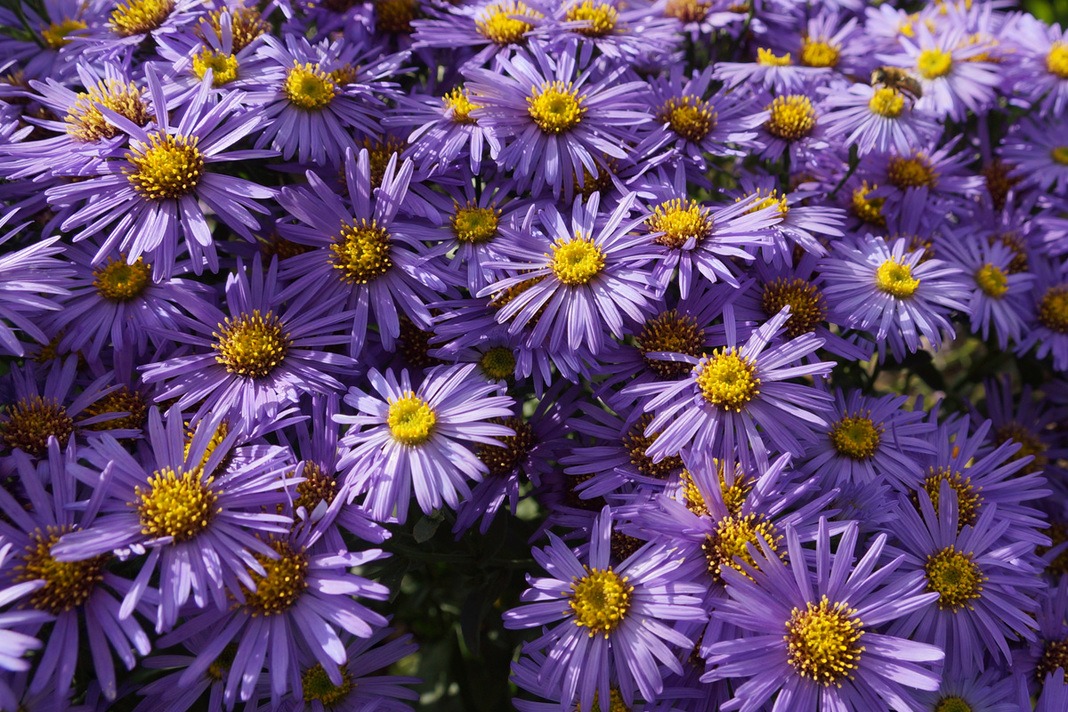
680 221
895 278
282 584
615 702
1059 154
474 225
768 199
600 18
86 123
251 345
952 704
246 24
138 17
556 107
1057 60
498 363
688 116
504 297
870 210
1053 309
379 153
317 686
576 262
912 172
166 168
221 431
816 53
767 58
955 577
1031 445
223 66
361 252
728 546
823 641
395 16
993 282
856 436
460 105
934 63
636 442
886 101
308 87
121 400
1054 657
792 117
672 332
728 380
600 600
734 495
28 424
691 496
120 281
503 23
57 35
411 420
68 584
179 505
317 487
969 497
688 11
807 305
503 461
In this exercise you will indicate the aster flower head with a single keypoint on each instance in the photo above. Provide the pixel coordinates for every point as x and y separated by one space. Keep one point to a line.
1039 153
876 117
16 644
812 641
610 617
492 27
1048 332
30 280
1041 72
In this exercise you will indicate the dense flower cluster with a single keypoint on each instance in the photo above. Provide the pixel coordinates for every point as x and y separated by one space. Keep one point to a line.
756 311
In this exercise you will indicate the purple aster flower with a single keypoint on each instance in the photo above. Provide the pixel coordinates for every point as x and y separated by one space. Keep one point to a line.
366 260
130 22
579 279
934 181
1029 419
485 30
876 118
812 642
607 617
252 360
737 401
1045 655
1040 72
555 116
804 223
405 437
195 517
78 594
987 691
1053 698
30 279
1039 153
15 644
1047 331
612 29
791 124
774 72
826 42
891 290
155 196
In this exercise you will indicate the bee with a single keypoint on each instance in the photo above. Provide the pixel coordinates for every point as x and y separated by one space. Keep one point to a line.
897 79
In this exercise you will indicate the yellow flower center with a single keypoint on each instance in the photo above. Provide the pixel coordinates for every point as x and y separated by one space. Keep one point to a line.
179 505
474 225
615 702
503 461
895 278
600 600
283 582
498 363
223 66
308 87
361 252
728 546
395 16
1054 658
503 24
121 400
379 153
600 17
1059 154
792 117
672 332
886 101
251 345
816 53
636 442
679 221
934 63
556 107
992 281
317 686
912 172
459 103
952 704
767 58
1057 60
856 436
85 122
317 487
807 308
728 380
768 199
870 210
217 438
577 261
68 584
246 24
138 17
28 424
823 641
688 116
688 11
120 281
166 168
969 499
1031 445
57 35
1053 309
955 577
411 420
